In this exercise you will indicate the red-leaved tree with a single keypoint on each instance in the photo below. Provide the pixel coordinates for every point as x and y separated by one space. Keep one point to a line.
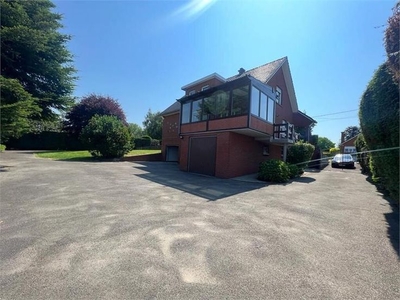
89 106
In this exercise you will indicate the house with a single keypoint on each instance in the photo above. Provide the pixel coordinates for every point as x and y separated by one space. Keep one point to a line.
225 127
348 146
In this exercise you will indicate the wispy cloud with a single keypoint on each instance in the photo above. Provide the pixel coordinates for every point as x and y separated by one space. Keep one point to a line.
192 9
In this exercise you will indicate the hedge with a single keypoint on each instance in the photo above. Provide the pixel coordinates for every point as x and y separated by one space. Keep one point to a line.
379 120
46 140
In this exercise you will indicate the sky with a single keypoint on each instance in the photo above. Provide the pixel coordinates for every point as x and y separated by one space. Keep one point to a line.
142 52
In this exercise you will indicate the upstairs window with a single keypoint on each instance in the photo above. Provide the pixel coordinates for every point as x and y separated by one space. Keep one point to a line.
255 101
240 101
186 113
278 93
206 87
262 106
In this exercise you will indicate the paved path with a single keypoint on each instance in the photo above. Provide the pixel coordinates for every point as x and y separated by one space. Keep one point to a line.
120 230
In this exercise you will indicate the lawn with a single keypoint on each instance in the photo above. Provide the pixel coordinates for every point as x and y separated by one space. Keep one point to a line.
85 155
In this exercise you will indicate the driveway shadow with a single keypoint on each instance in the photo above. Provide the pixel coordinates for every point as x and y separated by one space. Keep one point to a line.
392 218
206 187
304 179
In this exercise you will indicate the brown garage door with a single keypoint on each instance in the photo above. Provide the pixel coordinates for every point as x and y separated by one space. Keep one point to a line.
202 155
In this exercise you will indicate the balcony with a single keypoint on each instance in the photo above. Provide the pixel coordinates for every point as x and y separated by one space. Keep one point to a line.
284 134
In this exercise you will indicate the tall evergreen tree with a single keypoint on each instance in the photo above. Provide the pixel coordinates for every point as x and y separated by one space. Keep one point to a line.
35 55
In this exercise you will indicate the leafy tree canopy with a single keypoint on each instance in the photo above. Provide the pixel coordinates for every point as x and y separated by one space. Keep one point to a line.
325 143
153 125
34 53
392 41
135 130
92 105
16 106
350 132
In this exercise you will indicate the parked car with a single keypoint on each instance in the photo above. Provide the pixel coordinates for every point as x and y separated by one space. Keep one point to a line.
342 161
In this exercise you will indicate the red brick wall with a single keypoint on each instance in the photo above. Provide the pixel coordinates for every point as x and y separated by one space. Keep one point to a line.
245 155
194 127
211 83
228 123
261 125
284 111
170 132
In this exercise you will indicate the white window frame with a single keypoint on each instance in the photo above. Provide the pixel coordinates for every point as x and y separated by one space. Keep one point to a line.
206 87
278 91
192 92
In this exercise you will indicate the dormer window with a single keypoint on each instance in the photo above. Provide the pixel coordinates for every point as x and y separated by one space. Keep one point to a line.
278 93
192 92
206 87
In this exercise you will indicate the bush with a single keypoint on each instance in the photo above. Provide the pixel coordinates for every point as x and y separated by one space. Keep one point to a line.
300 154
106 136
294 171
363 156
334 151
379 120
2 147
274 170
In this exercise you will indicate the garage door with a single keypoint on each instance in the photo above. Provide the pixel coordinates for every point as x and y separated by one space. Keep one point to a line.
172 153
202 155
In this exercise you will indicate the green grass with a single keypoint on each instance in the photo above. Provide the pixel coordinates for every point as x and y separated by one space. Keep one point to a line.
85 155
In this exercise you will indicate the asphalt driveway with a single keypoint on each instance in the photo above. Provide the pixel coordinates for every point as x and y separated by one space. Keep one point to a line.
121 230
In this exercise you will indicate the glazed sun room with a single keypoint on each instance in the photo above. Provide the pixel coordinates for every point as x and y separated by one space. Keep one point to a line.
244 105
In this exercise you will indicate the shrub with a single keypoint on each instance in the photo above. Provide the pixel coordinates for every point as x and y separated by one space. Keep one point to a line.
293 171
2 147
379 120
106 136
362 156
334 151
274 170
300 154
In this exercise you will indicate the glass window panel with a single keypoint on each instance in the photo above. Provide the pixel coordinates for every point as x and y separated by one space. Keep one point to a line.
217 105
208 108
240 99
255 101
222 104
186 113
263 106
196 110
271 110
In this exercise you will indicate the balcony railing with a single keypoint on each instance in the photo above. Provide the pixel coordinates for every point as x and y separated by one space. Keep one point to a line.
285 131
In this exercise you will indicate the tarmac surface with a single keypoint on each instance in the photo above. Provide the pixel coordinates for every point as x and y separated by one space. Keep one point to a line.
121 230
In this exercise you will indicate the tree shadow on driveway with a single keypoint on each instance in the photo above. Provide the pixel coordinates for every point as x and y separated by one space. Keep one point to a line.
207 187
392 218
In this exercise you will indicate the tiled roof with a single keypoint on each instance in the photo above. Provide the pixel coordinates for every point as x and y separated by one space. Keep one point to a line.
175 107
262 73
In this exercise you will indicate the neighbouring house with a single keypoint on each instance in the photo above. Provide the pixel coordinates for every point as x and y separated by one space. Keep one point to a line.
348 146
225 127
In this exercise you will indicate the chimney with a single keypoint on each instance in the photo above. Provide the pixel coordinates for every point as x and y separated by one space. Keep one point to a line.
342 137
241 71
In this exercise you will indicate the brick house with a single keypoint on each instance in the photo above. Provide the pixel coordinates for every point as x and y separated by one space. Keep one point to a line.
225 127
348 146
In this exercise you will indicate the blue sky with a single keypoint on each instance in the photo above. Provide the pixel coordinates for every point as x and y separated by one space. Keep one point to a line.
143 52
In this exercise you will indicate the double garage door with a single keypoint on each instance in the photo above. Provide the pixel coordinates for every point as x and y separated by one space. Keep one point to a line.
202 155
